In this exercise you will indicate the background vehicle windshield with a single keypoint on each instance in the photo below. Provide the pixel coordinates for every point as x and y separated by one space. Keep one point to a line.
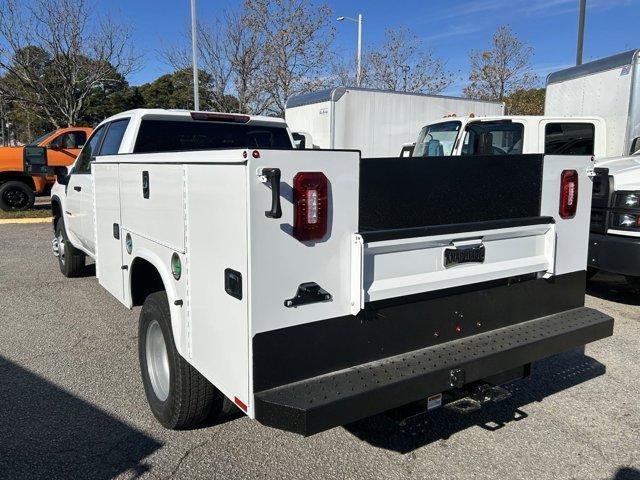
177 135
34 143
437 140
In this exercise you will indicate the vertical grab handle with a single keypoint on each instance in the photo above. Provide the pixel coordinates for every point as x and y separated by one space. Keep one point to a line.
271 176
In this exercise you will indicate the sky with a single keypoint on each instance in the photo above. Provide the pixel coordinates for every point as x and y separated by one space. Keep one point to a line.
450 28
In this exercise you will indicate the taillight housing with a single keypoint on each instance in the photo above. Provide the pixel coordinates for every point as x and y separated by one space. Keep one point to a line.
310 206
568 193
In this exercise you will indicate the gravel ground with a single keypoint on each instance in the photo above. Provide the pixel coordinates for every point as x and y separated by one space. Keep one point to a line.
72 404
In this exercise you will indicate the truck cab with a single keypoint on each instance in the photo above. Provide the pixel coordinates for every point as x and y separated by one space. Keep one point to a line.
143 131
17 189
511 135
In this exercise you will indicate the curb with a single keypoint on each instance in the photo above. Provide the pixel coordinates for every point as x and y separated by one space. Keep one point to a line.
8 221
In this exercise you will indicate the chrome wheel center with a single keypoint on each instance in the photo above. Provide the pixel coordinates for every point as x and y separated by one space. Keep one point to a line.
157 361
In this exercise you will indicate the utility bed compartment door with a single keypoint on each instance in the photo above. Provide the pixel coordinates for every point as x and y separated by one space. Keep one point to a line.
108 233
394 267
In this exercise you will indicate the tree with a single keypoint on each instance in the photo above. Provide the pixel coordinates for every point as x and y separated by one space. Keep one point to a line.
296 36
402 63
175 90
526 102
500 71
57 54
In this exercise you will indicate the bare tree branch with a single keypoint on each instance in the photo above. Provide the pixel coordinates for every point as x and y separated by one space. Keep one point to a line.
500 71
55 55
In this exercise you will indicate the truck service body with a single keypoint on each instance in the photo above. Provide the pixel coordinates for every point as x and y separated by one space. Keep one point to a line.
376 122
314 288
610 88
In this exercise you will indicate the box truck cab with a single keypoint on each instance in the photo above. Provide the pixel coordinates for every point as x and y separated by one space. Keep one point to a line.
610 88
510 135
376 122
313 288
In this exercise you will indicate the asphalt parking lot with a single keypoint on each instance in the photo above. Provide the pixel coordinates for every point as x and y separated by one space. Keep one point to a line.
72 404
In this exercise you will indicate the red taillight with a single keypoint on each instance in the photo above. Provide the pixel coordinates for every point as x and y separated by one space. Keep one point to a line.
568 193
310 206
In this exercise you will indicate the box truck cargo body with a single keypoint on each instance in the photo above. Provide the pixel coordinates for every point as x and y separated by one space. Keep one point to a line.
608 88
376 122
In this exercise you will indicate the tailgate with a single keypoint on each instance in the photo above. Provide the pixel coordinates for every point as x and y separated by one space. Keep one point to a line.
452 256
449 222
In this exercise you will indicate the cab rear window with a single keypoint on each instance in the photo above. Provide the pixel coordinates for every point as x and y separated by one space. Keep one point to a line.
569 138
177 136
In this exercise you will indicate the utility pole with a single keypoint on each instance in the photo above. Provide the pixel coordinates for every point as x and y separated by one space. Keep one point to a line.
405 69
194 51
583 8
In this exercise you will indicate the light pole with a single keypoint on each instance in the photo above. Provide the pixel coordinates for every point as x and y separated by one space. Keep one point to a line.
359 56
2 120
194 51
583 7
405 69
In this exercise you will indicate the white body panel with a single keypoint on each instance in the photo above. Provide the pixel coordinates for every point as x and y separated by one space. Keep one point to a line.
605 94
608 88
415 265
376 122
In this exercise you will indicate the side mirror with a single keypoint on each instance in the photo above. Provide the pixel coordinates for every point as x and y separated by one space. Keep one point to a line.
302 140
62 175
35 161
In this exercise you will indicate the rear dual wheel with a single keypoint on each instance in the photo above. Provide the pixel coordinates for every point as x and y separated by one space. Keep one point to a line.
178 395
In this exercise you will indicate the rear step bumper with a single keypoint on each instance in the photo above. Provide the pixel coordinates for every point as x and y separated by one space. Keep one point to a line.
316 404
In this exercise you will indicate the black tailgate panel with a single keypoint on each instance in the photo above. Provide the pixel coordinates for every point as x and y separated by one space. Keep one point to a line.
418 192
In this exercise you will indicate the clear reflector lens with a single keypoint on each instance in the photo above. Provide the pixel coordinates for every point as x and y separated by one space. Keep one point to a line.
312 206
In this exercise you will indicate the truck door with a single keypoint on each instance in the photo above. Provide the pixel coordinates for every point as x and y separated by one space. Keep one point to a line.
79 200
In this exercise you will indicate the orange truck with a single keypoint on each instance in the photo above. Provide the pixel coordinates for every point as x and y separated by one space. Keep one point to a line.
17 189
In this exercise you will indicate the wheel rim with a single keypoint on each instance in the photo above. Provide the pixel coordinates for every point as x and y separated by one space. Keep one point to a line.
15 198
157 361
59 243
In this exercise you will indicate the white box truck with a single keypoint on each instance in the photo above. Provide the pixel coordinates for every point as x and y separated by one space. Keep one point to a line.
313 288
609 88
376 122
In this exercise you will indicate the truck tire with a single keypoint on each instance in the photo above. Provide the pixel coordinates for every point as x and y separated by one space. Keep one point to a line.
70 259
16 195
178 395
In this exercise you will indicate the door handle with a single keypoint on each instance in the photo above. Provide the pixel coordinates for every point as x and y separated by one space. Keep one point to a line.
272 177
77 188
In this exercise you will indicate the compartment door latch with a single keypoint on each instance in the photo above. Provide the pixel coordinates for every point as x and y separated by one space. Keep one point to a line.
309 292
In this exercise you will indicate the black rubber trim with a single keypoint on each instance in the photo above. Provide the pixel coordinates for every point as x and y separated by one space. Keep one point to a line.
323 402
381 235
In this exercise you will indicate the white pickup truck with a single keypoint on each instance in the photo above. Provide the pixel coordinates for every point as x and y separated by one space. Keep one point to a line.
314 288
